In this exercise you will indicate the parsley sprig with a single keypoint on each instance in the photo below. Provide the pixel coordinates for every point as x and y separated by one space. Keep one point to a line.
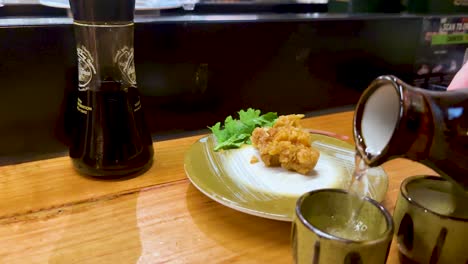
236 132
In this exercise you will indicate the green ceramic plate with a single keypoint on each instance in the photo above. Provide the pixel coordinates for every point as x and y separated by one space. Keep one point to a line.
229 178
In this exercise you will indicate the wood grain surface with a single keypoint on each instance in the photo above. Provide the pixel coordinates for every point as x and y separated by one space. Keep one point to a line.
51 214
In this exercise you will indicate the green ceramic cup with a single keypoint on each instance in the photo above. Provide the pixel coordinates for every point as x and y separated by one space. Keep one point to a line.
323 233
431 221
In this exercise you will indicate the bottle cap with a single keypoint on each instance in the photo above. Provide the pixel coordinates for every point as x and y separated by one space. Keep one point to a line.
103 10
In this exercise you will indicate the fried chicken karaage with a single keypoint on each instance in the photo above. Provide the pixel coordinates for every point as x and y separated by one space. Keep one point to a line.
286 144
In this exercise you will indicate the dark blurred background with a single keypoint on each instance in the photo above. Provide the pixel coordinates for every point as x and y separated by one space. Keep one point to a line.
197 64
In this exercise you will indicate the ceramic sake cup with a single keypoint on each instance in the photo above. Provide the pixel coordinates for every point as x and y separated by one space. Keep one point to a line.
431 221
316 230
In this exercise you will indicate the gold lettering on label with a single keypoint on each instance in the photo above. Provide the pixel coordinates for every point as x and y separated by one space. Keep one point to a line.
83 108
137 106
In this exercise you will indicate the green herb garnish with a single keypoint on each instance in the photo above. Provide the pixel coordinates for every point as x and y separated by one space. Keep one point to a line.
236 132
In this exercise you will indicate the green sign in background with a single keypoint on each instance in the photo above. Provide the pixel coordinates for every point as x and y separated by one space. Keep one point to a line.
449 39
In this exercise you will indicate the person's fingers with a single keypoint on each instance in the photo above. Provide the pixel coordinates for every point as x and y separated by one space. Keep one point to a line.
460 80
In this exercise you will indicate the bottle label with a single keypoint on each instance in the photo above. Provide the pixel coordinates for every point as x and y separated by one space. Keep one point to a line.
125 62
86 68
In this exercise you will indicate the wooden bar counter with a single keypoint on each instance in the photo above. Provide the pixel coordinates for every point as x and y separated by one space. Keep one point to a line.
50 214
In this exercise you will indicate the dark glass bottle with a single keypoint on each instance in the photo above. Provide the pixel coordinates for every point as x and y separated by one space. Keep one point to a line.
393 119
110 136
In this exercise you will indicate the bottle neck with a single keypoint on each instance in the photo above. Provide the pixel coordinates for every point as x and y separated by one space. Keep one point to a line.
103 10
377 118
392 120
105 53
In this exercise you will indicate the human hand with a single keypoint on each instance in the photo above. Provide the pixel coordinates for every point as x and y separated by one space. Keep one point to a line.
460 80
